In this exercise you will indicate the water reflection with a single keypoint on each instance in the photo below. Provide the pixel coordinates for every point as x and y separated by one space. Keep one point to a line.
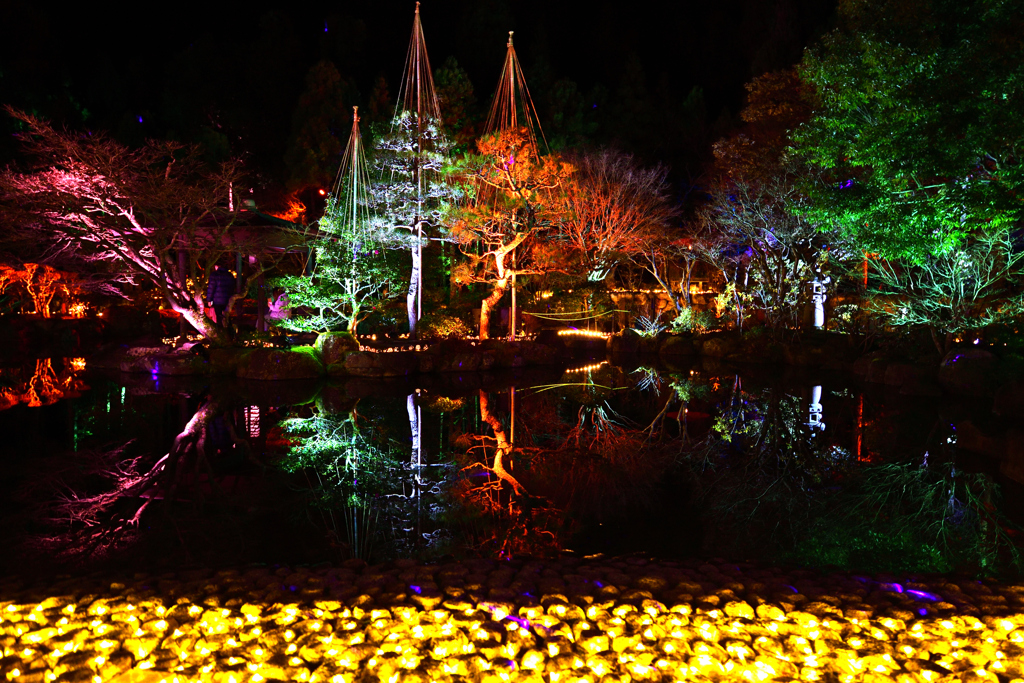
44 383
699 461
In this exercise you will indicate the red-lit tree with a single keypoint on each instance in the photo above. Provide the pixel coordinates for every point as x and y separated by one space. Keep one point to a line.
156 214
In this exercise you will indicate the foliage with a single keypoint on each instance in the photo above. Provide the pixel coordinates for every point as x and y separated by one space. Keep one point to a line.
649 326
319 122
440 325
906 517
777 103
349 279
455 94
767 251
918 130
970 286
412 192
515 200
692 320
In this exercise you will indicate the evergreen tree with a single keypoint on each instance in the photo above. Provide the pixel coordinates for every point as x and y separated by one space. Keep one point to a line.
351 271
412 192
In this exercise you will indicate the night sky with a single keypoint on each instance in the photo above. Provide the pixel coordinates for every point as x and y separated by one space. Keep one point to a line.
178 69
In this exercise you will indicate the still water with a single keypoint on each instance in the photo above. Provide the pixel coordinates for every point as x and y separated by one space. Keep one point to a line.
705 460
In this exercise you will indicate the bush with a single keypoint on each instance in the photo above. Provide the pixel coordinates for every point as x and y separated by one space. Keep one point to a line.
690 320
434 326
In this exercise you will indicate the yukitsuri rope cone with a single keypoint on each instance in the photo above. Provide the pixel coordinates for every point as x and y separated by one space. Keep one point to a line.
595 619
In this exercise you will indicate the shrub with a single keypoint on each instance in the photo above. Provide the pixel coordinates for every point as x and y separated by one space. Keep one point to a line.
690 320
434 326
649 327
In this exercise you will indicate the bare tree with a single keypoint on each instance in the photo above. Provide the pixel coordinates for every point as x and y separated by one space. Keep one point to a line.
755 236
613 208
156 214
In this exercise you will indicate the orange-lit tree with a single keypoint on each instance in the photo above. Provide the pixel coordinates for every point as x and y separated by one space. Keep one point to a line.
517 201
41 282
46 386
155 214
613 209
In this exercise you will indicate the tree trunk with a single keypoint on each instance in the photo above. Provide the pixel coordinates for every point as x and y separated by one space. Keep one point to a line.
488 305
202 324
261 304
414 287
502 448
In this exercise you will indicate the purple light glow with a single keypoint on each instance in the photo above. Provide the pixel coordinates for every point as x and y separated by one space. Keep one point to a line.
924 595
791 588
416 589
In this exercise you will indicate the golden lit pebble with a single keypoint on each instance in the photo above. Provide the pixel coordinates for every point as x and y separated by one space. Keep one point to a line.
642 635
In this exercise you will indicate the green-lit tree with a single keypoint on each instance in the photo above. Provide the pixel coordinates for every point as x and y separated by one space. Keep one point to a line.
966 288
919 128
351 272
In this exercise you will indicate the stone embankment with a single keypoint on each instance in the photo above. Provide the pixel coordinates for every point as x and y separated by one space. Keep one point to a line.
334 355
597 619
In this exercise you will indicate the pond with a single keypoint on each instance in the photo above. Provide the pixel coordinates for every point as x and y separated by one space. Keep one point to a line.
708 460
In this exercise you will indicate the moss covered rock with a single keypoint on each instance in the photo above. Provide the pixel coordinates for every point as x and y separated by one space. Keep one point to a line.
333 347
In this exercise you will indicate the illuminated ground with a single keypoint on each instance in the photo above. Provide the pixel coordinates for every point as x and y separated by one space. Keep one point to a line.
592 620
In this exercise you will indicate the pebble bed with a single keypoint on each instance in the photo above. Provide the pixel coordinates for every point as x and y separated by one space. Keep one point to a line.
596 619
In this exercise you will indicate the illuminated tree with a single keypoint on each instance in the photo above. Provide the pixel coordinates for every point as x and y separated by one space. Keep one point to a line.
613 209
412 194
755 228
764 249
411 189
919 126
516 201
351 272
41 282
156 214
966 288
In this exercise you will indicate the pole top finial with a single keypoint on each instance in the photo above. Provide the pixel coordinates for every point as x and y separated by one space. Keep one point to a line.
355 114
510 38
417 6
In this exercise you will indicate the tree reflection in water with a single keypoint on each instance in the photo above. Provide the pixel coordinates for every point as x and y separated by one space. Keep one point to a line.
372 496
774 483
92 502
604 460
45 386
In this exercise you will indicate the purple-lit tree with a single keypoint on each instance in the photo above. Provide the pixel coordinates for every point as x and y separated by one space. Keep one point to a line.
157 214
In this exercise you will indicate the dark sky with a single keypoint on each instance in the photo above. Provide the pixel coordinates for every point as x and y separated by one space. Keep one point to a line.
87 66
